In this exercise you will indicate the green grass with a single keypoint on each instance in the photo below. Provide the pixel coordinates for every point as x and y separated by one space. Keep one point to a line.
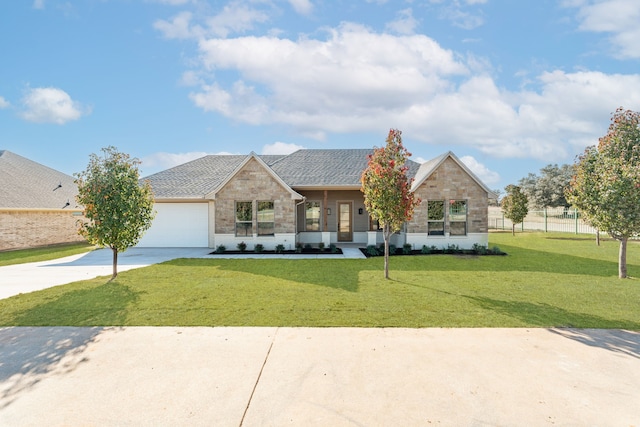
547 280
43 254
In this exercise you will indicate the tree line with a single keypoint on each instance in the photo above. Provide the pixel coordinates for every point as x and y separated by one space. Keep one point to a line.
603 183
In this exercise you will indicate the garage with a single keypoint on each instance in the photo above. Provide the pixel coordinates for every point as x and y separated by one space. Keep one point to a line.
178 225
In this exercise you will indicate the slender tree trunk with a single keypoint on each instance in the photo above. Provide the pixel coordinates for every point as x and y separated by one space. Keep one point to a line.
115 263
622 259
387 235
598 237
513 229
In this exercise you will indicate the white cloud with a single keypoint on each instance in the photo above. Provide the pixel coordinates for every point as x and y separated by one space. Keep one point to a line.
404 23
51 105
4 103
461 13
38 4
235 17
179 27
619 18
320 85
486 175
280 148
356 80
162 160
303 7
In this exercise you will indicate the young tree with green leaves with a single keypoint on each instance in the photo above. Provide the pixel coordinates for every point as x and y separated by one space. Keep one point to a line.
515 206
387 189
118 208
606 184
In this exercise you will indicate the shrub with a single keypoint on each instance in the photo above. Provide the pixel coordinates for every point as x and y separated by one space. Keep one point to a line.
242 246
307 247
479 249
298 247
425 250
496 251
392 249
406 249
321 245
452 249
258 248
220 249
372 250
279 248
333 248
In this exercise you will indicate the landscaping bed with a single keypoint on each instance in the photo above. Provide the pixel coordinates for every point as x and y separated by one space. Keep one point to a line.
374 251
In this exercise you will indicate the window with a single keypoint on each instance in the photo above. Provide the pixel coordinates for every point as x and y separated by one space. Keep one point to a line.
374 225
266 218
312 216
435 217
244 219
458 217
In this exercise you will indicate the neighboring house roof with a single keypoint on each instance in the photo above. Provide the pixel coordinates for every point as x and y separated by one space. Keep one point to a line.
427 168
27 184
303 169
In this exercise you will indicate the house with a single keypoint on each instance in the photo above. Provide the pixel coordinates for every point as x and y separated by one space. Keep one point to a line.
309 196
37 204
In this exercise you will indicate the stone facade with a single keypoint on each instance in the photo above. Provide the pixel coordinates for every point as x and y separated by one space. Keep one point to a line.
450 182
30 228
253 183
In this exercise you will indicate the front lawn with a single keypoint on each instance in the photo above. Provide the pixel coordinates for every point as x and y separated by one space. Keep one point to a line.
43 254
546 280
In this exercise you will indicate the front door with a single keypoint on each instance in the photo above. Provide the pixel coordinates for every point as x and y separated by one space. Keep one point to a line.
345 230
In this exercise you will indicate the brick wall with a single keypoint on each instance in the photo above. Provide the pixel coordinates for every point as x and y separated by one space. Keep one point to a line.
253 183
29 228
451 182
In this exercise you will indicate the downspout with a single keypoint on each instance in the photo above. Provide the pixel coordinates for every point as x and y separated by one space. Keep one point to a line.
295 215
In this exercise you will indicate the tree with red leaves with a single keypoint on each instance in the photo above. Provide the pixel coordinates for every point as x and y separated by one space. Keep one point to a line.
387 189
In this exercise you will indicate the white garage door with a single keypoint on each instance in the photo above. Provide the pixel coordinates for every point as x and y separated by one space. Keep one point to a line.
178 225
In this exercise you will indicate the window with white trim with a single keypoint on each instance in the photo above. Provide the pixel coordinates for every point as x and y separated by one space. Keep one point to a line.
457 217
435 217
312 216
244 219
266 218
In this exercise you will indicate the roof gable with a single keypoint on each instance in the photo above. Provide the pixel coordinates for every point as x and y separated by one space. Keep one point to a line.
428 168
269 170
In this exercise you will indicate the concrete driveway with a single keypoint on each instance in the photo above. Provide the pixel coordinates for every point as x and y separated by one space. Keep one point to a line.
23 278
318 377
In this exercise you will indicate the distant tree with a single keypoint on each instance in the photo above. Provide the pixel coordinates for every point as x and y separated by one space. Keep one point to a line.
118 208
548 189
387 189
606 184
496 201
515 206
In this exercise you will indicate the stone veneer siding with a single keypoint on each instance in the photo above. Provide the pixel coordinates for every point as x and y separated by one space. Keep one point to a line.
451 182
30 228
254 183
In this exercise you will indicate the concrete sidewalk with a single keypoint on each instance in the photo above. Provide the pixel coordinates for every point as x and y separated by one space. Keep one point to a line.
318 377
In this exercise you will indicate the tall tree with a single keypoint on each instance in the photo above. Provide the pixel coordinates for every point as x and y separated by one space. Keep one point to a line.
118 208
515 206
606 184
547 189
387 189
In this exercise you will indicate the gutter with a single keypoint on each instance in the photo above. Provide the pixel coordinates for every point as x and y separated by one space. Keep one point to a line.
295 215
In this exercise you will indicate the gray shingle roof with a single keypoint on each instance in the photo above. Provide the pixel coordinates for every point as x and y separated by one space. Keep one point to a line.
28 184
303 168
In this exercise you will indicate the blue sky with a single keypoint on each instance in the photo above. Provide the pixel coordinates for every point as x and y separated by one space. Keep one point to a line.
509 86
